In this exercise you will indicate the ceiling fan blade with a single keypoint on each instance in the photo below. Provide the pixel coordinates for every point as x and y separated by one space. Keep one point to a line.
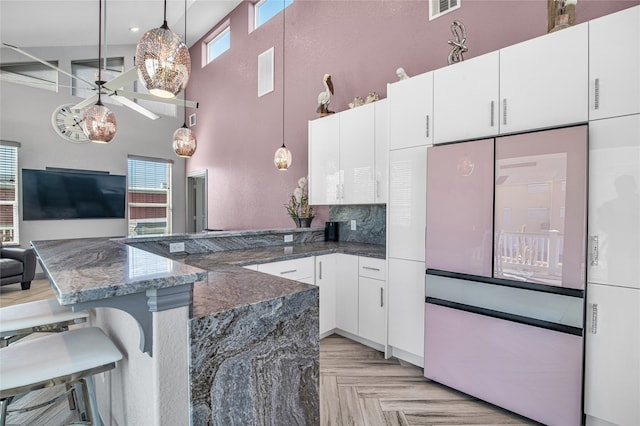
119 81
89 101
134 106
148 97
60 70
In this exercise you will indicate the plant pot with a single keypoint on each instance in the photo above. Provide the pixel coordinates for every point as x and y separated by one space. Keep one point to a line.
303 222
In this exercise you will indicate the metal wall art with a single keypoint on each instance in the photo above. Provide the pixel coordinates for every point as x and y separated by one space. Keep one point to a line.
459 38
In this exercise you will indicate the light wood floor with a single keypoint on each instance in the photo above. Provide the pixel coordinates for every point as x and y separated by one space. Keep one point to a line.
357 387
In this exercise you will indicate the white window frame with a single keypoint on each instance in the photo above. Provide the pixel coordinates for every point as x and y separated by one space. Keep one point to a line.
87 69
256 12
434 8
215 37
132 223
15 239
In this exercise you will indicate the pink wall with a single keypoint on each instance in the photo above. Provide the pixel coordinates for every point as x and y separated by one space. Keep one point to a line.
360 43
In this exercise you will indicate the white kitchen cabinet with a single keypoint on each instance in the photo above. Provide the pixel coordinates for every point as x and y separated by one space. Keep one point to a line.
544 81
324 160
405 284
411 112
614 64
301 269
614 206
326 281
357 149
465 99
343 151
371 299
346 270
381 151
406 208
612 355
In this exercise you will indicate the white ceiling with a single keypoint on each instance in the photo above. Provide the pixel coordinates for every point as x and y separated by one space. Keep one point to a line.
37 23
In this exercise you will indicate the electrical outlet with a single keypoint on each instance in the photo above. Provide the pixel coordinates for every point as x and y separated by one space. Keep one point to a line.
288 238
353 224
176 247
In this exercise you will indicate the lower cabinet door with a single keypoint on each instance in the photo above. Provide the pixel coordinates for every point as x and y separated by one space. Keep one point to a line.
612 354
406 305
326 280
371 310
347 293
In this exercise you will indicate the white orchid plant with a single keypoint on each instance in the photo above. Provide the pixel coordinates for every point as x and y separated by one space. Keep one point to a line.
298 205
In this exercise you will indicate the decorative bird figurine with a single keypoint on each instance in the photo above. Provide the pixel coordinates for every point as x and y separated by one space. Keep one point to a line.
324 98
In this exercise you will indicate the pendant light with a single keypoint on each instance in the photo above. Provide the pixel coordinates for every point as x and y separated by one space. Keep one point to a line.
184 139
163 61
282 157
99 122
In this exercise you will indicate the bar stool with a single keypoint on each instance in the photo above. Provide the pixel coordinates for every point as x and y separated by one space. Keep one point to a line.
69 358
18 321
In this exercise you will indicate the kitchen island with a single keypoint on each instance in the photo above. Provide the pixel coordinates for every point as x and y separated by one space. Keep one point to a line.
243 350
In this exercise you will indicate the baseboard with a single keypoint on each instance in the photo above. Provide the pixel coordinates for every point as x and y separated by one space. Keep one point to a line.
405 356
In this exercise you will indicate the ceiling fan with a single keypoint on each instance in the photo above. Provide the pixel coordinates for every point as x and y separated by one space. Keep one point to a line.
111 88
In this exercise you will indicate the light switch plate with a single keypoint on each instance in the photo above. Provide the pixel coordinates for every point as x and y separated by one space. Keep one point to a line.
288 238
353 224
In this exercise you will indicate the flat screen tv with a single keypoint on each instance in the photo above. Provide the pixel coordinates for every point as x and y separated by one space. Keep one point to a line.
72 194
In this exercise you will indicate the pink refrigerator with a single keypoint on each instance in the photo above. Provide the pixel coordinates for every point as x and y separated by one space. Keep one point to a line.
505 279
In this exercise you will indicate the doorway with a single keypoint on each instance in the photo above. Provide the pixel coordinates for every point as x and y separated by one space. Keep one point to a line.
197 201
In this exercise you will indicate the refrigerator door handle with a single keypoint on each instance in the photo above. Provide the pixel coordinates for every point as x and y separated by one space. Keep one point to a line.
594 250
594 318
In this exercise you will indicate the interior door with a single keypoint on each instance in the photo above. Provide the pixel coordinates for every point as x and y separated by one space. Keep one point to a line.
197 203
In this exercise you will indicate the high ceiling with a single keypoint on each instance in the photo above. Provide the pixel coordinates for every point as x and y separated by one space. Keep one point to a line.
37 23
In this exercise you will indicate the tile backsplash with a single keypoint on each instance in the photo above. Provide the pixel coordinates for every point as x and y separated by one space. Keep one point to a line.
371 224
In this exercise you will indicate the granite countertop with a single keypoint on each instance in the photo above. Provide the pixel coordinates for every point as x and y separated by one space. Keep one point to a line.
229 286
90 269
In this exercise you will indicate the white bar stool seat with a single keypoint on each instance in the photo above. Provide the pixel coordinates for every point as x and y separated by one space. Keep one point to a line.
67 358
20 320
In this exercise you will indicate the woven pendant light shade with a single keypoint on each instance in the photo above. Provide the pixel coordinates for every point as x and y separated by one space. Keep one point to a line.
99 123
163 62
184 142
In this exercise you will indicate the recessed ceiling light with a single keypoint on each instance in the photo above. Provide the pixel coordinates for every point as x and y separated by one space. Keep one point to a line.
134 29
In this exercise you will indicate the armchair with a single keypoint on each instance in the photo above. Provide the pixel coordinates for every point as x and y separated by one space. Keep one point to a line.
17 265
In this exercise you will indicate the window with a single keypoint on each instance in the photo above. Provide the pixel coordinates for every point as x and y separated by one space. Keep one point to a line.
32 74
440 7
149 196
265 72
220 43
9 192
267 9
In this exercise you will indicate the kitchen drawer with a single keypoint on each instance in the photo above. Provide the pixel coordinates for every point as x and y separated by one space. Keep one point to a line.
372 268
294 269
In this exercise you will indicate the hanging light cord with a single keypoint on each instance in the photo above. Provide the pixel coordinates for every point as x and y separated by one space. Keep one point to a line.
99 82
283 80
164 25
184 94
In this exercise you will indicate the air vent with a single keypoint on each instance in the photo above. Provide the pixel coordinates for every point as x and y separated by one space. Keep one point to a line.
440 7
265 72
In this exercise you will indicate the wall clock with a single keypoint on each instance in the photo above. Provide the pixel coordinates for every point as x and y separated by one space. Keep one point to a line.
67 122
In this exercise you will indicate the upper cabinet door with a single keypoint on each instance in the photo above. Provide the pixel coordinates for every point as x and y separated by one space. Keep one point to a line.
540 207
614 64
357 140
460 207
544 81
614 202
381 151
406 208
324 160
411 112
466 99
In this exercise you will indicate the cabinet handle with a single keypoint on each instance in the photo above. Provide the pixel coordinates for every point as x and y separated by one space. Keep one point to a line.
381 297
288 272
596 98
377 188
594 250
594 319
427 126
320 270
371 268
504 111
493 108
